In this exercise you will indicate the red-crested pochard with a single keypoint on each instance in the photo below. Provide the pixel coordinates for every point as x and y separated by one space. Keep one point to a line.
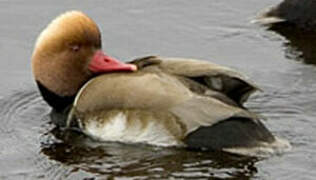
154 100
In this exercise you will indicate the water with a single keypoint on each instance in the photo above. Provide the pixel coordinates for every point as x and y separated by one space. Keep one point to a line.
283 66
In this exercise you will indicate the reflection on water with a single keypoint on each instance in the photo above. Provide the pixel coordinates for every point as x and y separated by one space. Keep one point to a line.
45 151
121 160
301 44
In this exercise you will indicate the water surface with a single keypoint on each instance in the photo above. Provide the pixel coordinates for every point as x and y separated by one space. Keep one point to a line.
32 148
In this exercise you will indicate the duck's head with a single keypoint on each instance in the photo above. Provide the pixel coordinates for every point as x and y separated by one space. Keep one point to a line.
67 54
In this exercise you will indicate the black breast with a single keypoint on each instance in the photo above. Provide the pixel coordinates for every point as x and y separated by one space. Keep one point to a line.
59 103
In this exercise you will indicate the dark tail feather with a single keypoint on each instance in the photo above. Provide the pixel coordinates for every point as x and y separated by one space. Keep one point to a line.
230 133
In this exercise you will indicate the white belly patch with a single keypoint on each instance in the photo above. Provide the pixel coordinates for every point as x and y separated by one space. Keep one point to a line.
120 128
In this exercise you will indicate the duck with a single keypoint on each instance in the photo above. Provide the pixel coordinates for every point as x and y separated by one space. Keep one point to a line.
154 100
296 13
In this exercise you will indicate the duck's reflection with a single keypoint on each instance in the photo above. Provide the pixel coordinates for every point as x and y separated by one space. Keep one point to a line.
301 44
74 149
296 21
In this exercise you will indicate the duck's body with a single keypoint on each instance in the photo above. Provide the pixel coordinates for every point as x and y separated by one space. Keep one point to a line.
298 13
164 101
172 102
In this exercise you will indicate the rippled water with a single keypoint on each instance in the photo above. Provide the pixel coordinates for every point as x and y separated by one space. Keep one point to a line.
281 63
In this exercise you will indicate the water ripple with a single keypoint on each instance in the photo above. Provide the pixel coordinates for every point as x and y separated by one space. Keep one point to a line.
34 148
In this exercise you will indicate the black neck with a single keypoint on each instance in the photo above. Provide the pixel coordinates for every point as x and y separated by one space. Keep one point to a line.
59 103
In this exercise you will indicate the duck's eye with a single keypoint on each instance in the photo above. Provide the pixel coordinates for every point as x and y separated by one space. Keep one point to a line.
75 48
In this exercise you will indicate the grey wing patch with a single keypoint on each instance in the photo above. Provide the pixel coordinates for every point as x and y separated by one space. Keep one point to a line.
217 78
215 83
234 88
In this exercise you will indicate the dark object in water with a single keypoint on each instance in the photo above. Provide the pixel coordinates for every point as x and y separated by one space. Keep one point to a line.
296 21
299 13
300 44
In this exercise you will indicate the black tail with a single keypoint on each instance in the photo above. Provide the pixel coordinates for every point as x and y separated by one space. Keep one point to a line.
230 133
